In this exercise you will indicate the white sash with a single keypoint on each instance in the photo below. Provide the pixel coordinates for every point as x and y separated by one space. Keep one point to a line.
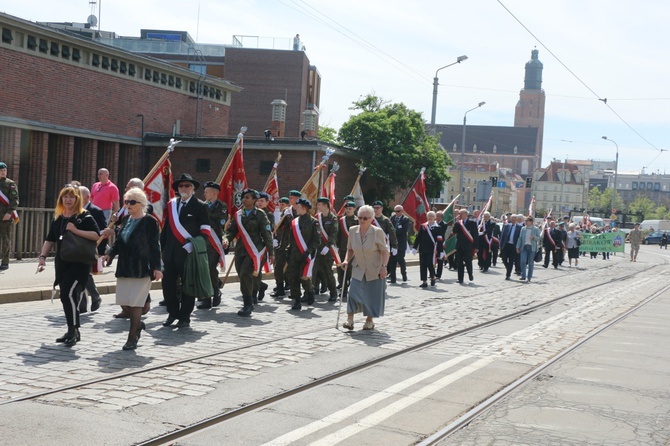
253 252
302 247
178 230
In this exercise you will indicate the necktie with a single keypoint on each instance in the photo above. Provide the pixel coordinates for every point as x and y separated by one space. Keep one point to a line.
181 205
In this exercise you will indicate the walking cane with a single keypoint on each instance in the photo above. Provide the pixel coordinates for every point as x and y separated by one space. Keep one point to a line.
344 287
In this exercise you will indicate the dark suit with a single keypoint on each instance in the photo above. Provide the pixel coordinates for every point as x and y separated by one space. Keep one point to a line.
510 235
429 249
401 225
440 261
464 247
191 216
485 242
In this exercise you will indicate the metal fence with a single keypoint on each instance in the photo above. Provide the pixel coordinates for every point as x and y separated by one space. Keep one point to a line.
29 233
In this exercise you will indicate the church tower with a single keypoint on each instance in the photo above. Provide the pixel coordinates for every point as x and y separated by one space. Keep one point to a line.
529 110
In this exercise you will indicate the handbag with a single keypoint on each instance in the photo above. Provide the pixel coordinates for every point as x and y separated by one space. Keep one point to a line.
538 256
578 241
77 249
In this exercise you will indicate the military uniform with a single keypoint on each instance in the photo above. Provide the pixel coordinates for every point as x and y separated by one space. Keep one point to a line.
385 224
258 227
9 201
345 224
311 234
259 285
283 236
218 215
324 262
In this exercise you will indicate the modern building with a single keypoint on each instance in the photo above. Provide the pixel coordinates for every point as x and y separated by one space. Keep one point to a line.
656 187
560 187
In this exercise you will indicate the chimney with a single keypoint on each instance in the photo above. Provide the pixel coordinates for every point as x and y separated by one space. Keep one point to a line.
309 117
278 126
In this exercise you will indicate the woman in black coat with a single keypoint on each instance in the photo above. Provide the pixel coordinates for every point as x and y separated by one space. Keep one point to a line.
139 260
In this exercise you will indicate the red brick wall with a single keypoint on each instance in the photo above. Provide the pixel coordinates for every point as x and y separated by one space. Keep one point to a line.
56 93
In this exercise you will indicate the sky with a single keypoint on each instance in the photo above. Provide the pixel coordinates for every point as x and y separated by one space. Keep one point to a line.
591 50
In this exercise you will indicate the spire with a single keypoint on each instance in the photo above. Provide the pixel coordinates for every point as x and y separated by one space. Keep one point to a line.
533 79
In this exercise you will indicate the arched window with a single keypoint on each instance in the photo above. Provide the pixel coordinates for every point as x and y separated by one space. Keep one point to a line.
524 167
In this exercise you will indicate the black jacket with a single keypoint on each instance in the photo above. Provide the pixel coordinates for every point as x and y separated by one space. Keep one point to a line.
425 243
192 217
401 225
462 240
141 255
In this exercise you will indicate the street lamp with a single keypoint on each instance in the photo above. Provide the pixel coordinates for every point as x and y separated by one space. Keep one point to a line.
459 59
460 180
616 168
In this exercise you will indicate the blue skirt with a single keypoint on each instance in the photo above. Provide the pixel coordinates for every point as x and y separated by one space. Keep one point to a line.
367 297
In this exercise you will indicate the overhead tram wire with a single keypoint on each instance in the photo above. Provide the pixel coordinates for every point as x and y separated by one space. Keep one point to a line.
363 44
603 100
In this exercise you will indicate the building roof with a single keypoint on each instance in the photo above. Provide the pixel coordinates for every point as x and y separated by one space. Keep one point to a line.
551 173
488 139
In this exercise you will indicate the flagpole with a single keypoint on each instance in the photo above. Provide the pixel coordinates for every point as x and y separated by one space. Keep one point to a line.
452 203
423 169
274 169
229 160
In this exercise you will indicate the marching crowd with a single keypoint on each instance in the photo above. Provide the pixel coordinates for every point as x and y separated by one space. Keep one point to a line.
366 247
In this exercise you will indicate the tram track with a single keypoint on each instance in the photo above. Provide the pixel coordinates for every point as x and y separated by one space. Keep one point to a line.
185 431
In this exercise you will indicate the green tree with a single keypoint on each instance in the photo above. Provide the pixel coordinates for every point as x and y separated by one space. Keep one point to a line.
327 134
393 143
648 208
602 201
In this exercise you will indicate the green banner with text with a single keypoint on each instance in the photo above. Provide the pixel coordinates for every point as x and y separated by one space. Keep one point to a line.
605 242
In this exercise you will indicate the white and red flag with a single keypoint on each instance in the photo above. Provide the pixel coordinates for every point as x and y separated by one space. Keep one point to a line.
272 189
158 188
415 204
233 178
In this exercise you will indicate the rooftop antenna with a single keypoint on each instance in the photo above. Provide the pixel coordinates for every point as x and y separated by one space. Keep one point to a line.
197 26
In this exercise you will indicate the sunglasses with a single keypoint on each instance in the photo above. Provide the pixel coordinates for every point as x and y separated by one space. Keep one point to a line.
364 218
397 211
130 202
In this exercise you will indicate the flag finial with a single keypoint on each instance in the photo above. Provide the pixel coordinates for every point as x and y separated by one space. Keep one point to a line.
173 143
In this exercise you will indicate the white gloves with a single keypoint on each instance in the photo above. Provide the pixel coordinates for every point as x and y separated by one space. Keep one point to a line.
288 212
413 251
188 247
324 251
443 255
394 251
275 243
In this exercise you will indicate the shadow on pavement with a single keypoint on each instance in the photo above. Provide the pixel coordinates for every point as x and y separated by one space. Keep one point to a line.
119 360
47 353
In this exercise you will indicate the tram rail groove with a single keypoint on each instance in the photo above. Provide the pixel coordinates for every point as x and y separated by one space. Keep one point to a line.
171 437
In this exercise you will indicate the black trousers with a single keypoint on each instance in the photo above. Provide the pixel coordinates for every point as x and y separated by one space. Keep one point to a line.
509 258
394 262
71 291
213 260
426 265
440 267
484 257
495 247
323 270
172 271
463 262
280 263
547 255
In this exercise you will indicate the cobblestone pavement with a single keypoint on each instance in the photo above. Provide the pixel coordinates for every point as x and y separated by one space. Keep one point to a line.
33 362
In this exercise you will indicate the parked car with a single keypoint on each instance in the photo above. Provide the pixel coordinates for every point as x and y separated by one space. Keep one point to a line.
654 238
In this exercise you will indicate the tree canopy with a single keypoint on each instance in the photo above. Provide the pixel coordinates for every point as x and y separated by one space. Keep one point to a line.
394 145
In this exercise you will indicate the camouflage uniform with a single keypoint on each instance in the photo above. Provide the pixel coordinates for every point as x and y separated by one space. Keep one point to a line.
8 188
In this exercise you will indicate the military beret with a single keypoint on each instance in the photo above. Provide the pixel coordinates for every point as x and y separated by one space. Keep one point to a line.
565 217
284 200
323 200
3 165
305 202
295 193
378 203
561 224
264 195
253 192
213 185
348 198
349 204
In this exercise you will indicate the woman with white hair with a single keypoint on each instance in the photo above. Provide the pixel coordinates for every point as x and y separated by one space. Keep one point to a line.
574 240
368 255
139 262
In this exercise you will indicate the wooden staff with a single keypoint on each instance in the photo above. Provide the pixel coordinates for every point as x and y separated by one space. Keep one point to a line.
225 279
274 169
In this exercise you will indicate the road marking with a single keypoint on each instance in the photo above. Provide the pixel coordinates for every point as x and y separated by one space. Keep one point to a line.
359 406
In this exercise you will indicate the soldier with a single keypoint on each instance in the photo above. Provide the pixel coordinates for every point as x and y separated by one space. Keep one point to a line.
259 286
328 252
251 225
280 242
382 221
218 215
346 222
444 227
305 241
467 239
485 243
9 201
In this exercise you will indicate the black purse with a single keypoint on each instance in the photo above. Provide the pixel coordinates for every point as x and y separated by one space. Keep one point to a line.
77 249
538 256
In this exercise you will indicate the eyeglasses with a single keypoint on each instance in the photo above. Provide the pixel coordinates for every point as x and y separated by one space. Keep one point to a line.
130 202
397 211
364 218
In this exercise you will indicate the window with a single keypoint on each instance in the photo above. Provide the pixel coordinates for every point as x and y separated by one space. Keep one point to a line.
55 50
641 185
634 185
76 55
650 186
657 186
201 69
65 52
44 46
7 35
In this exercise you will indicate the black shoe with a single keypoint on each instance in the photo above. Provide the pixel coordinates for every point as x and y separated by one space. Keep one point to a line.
461 282
261 292
507 278
73 338
246 311
485 270
129 346
423 285
278 293
404 278
310 298
216 301
555 266
70 333
470 278
333 297
95 304
392 281
183 323
432 282
296 306
546 266
169 321
324 289
4 266
206 304
162 303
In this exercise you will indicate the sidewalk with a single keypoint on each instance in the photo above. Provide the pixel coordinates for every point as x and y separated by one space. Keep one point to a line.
21 283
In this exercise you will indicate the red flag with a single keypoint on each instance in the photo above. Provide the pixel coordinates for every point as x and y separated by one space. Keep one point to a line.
415 203
233 182
159 190
272 189
329 189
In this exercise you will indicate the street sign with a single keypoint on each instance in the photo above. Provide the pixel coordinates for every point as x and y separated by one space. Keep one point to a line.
502 184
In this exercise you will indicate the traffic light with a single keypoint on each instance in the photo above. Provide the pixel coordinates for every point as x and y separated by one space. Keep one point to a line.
529 182
494 181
